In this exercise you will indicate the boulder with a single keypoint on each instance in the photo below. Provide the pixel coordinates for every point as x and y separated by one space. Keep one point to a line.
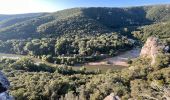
5 96
112 96
4 86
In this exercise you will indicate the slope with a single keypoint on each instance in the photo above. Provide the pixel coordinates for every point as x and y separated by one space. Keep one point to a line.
161 30
9 20
86 21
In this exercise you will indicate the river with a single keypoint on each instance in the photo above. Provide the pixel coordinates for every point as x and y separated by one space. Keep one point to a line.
16 56
116 62
12 56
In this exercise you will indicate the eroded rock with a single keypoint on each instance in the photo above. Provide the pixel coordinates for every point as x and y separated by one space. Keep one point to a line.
112 96
152 48
4 86
5 96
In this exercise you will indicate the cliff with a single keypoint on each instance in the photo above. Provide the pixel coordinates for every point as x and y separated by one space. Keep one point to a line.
152 48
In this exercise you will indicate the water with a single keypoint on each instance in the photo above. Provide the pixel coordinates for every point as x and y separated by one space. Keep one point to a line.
120 59
12 56
116 62
16 56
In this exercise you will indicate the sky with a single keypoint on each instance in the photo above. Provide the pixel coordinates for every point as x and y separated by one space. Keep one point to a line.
32 6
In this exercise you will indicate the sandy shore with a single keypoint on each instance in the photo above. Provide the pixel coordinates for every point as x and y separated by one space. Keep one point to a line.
120 60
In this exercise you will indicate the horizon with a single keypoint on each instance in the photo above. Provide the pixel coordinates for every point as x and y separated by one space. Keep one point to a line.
37 6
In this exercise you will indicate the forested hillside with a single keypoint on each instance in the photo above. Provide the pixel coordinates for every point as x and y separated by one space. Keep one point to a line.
13 20
6 17
161 30
81 21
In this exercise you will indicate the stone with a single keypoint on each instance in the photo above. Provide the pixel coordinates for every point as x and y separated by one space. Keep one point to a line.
112 96
152 48
4 83
4 86
5 96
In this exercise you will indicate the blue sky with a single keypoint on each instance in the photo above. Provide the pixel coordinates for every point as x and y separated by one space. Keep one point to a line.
28 6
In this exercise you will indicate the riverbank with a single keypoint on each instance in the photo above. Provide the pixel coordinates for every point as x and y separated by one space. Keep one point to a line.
119 60
116 63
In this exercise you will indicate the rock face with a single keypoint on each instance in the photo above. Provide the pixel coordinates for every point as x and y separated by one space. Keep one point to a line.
112 96
4 86
151 48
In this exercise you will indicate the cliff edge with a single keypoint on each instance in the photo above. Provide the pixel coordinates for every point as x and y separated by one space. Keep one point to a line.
152 48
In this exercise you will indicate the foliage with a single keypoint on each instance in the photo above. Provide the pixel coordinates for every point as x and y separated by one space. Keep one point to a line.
80 35
64 83
160 30
82 21
68 50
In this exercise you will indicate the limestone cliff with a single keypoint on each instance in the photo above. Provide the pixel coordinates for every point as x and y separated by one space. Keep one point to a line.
152 48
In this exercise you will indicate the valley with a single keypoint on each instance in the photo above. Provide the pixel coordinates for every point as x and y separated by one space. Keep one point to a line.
87 53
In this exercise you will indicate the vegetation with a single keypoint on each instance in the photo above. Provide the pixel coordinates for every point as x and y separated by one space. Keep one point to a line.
81 35
68 50
30 81
160 30
83 21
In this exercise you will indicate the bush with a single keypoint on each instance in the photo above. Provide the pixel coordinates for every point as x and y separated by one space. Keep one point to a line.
162 61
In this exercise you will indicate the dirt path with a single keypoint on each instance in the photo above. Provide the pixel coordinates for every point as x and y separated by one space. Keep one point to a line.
120 60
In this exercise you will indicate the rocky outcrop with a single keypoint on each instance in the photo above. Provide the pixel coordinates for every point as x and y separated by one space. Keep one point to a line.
112 96
4 86
152 48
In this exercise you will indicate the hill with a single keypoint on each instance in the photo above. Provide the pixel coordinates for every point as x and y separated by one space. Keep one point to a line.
82 21
9 20
160 30
5 17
